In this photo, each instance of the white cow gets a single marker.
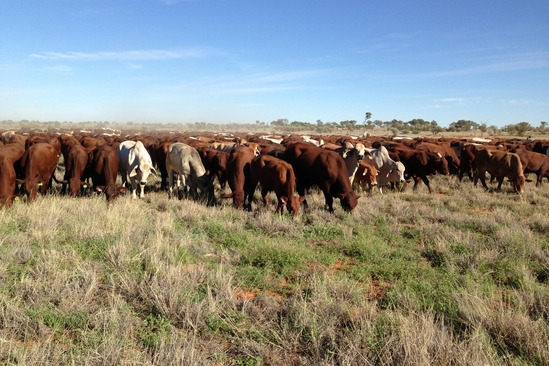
(185, 161)
(134, 164)
(389, 171)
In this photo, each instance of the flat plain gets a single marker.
(460, 277)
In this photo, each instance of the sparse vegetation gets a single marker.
(455, 277)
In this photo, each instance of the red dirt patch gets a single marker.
(377, 290)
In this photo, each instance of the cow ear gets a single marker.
(283, 199)
(153, 171)
(133, 173)
(100, 188)
(121, 190)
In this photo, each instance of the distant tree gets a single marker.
(378, 123)
(281, 122)
(367, 117)
(482, 128)
(522, 127)
(349, 124)
(542, 127)
(462, 126)
(419, 124)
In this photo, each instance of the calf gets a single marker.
(389, 170)
(215, 161)
(275, 175)
(365, 176)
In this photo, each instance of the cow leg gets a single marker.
(482, 176)
(301, 192)
(141, 189)
(265, 197)
(170, 184)
(426, 181)
(500, 182)
(329, 202)
(416, 182)
(134, 187)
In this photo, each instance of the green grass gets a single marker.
(456, 277)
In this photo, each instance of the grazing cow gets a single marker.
(446, 151)
(238, 176)
(134, 163)
(501, 165)
(215, 162)
(159, 151)
(67, 142)
(75, 169)
(275, 175)
(103, 170)
(7, 182)
(314, 166)
(9, 154)
(534, 162)
(389, 170)
(365, 176)
(92, 142)
(466, 161)
(38, 162)
(420, 164)
(185, 161)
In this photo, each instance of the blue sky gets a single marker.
(233, 61)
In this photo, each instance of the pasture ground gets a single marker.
(457, 277)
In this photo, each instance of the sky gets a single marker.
(238, 61)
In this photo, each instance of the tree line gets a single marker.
(283, 125)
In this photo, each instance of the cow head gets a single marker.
(111, 191)
(348, 200)
(519, 184)
(397, 172)
(292, 203)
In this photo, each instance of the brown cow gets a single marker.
(158, 152)
(38, 163)
(215, 161)
(103, 170)
(75, 169)
(445, 150)
(275, 175)
(9, 154)
(238, 175)
(534, 162)
(420, 164)
(315, 166)
(501, 165)
(365, 176)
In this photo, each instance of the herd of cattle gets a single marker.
(288, 165)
